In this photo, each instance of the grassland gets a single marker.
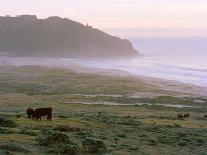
(83, 125)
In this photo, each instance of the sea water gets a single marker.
(180, 59)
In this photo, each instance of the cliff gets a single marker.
(58, 37)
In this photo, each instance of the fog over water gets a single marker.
(180, 59)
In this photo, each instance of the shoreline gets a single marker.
(168, 85)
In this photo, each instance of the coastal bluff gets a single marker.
(26, 35)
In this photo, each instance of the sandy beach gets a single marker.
(173, 87)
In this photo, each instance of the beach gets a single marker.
(174, 87)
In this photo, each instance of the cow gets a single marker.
(30, 112)
(39, 112)
(180, 116)
(186, 115)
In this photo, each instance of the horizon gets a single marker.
(130, 19)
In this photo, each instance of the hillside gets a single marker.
(27, 35)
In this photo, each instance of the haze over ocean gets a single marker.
(180, 59)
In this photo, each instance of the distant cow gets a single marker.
(186, 115)
(30, 112)
(180, 116)
(39, 112)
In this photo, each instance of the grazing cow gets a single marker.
(30, 112)
(39, 112)
(186, 116)
(180, 116)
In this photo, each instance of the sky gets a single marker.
(125, 18)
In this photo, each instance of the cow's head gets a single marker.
(30, 112)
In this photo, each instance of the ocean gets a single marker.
(179, 59)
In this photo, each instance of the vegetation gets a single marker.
(27, 131)
(80, 128)
(13, 148)
(5, 122)
(93, 145)
(57, 141)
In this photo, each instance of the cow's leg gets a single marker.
(50, 116)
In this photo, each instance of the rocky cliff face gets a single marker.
(58, 37)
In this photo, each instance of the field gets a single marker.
(94, 114)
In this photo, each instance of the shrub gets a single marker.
(28, 132)
(199, 142)
(130, 122)
(63, 116)
(64, 128)
(4, 131)
(178, 138)
(70, 149)
(152, 142)
(177, 126)
(123, 135)
(50, 137)
(133, 148)
(4, 152)
(112, 119)
(182, 143)
(93, 145)
(84, 134)
(59, 142)
(142, 135)
(13, 147)
(19, 115)
(5, 122)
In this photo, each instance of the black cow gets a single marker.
(39, 112)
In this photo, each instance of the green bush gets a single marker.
(58, 142)
(13, 147)
(4, 152)
(70, 149)
(84, 134)
(64, 128)
(133, 148)
(123, 135)
(28, 132)
(63, 116)
(19, 115)
(152, 142)
(4, 131)
(93, 145)
(129, 122)
(5, 122)
(50, 137)
(177, 126)
(178, 138)
(112, 119)
(199, 142)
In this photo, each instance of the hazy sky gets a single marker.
(122, 17)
